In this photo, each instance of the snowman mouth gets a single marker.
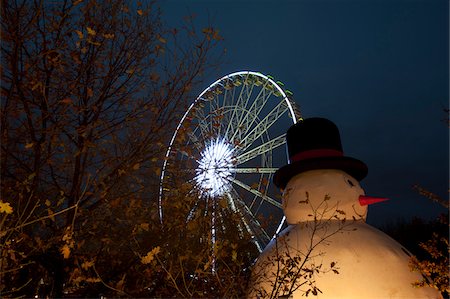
(365, 200)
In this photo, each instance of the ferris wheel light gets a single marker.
(215, 168)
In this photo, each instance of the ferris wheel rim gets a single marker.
(284, 98)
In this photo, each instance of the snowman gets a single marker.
(328, 249)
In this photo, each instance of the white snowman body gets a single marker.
(327, 235)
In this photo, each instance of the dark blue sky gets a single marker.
(378, 69)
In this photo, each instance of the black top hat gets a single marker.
(315, 143)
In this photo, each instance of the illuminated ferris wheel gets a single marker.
(228, 145)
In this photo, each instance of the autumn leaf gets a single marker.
(93, 279)
(47, 202)
(93, 42)
(66, 101)
(5, 207)
(91, 31)
(234, 255)
(65, 251)
(29, 145)
(120, 284)
(51, 214)
(145, 226)
(108, 35)
(150, 255)
(87, 265)
(216, 35)
(162, 40)
(139, 11)
(79, 33)
(136, 166)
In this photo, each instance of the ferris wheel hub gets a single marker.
(215, 168)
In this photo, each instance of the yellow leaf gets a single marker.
(93, 279)
(87, 265)
(65, 251)
(119, 285)
(80, 34)
(47, 202)
(234, 255)
(5, 207)
(139, 11)
(29, 145)
(150, 255)
(162, 40)
(91, 31)
(51, 214)
(109, 35)
(93, 42)
(68, 235)
(136, 166)
(145, 226)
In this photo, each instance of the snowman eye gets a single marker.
(350, 183)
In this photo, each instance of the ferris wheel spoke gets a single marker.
(249, 116)
(264, 125)
(242, 102)
(192, 211)
(255, 170)
(263, 148)
(257, 193)
(251, 224)
(229, 93)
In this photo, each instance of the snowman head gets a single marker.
(319, 172)
(323, 194)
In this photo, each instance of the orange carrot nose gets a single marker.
(365, 200)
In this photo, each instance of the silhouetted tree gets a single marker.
(90, 90)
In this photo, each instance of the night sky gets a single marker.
(378, 69)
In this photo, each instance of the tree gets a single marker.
(89, 91)
(434, 266)
(433, 261)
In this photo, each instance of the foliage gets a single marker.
(434, 265)
(435, 268)
(428, 241)
(89, 91)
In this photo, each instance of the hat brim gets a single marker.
(352, 166)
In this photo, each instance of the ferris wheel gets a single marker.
(228, 144)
